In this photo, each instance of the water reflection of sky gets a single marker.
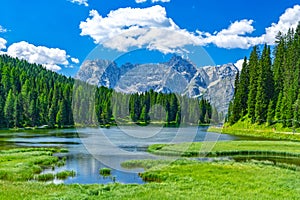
(86, 165)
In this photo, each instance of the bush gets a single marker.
(65, 174)
(105, 171)
(45, 177)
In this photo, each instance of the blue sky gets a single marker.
(59, 34)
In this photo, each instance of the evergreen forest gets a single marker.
(31, 96)
(267, 91)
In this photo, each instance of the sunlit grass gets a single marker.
(25, 164)
(245, 128)
(192, 180)
(226, 148)
(179, 179)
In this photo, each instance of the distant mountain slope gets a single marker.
(215, 83)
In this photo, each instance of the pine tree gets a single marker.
(244, 87)
(214, 115)
(264, 86)
(253, 74)
(240, 106)
(51, 117)
(144, 115)
(278, 67)
(271, 113)
(18, 111)
(296, 117)
(9, 109)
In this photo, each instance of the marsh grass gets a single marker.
(229, 148)
(105, 171)
(181, 179)
(246, 128)
(65, 174)
(44, 177)
(24, 164)
(185, 180)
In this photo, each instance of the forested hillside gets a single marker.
(32, 96)
(268, 88)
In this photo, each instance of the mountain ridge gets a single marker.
(178, 75)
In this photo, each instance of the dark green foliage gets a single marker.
(32, 96)
(253, 64)
(65, 174)
(105, 171)
(273, 89)
(264, 86)
(240, 101)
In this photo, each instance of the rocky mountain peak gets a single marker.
(178, 75)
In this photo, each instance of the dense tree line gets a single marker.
(141, 108)
(268, 90)
(32, 96)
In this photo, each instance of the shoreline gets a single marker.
(269, 133)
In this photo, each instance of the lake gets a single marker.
(91, 149)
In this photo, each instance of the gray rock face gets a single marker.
(215, 83)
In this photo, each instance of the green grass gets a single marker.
(23, 164)
(44, 177)
(65, 174)
(245, 128)
(177, 181)
(180, 179)
(226, 148)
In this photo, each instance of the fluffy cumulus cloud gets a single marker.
(50, 58)
(137, 27)
(2, 44)
(234, 36)
(150, 27)
(80, 2)
(288, 20)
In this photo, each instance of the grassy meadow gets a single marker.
(20, 176)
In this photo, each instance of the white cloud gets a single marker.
(2, 44)
(2, 29)
(153, 1)
(289, 19)
(75, 60)
(239, 64)
(52, 67)
(50, 58)
(80, 2)
(140, 1)
(164, 1)
(150, 27)
(234, 36)
(239, 28)
(129, 27)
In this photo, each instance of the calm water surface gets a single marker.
(91, 149)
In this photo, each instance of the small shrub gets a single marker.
(105, 171)
(45, 177)
(65, 174)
